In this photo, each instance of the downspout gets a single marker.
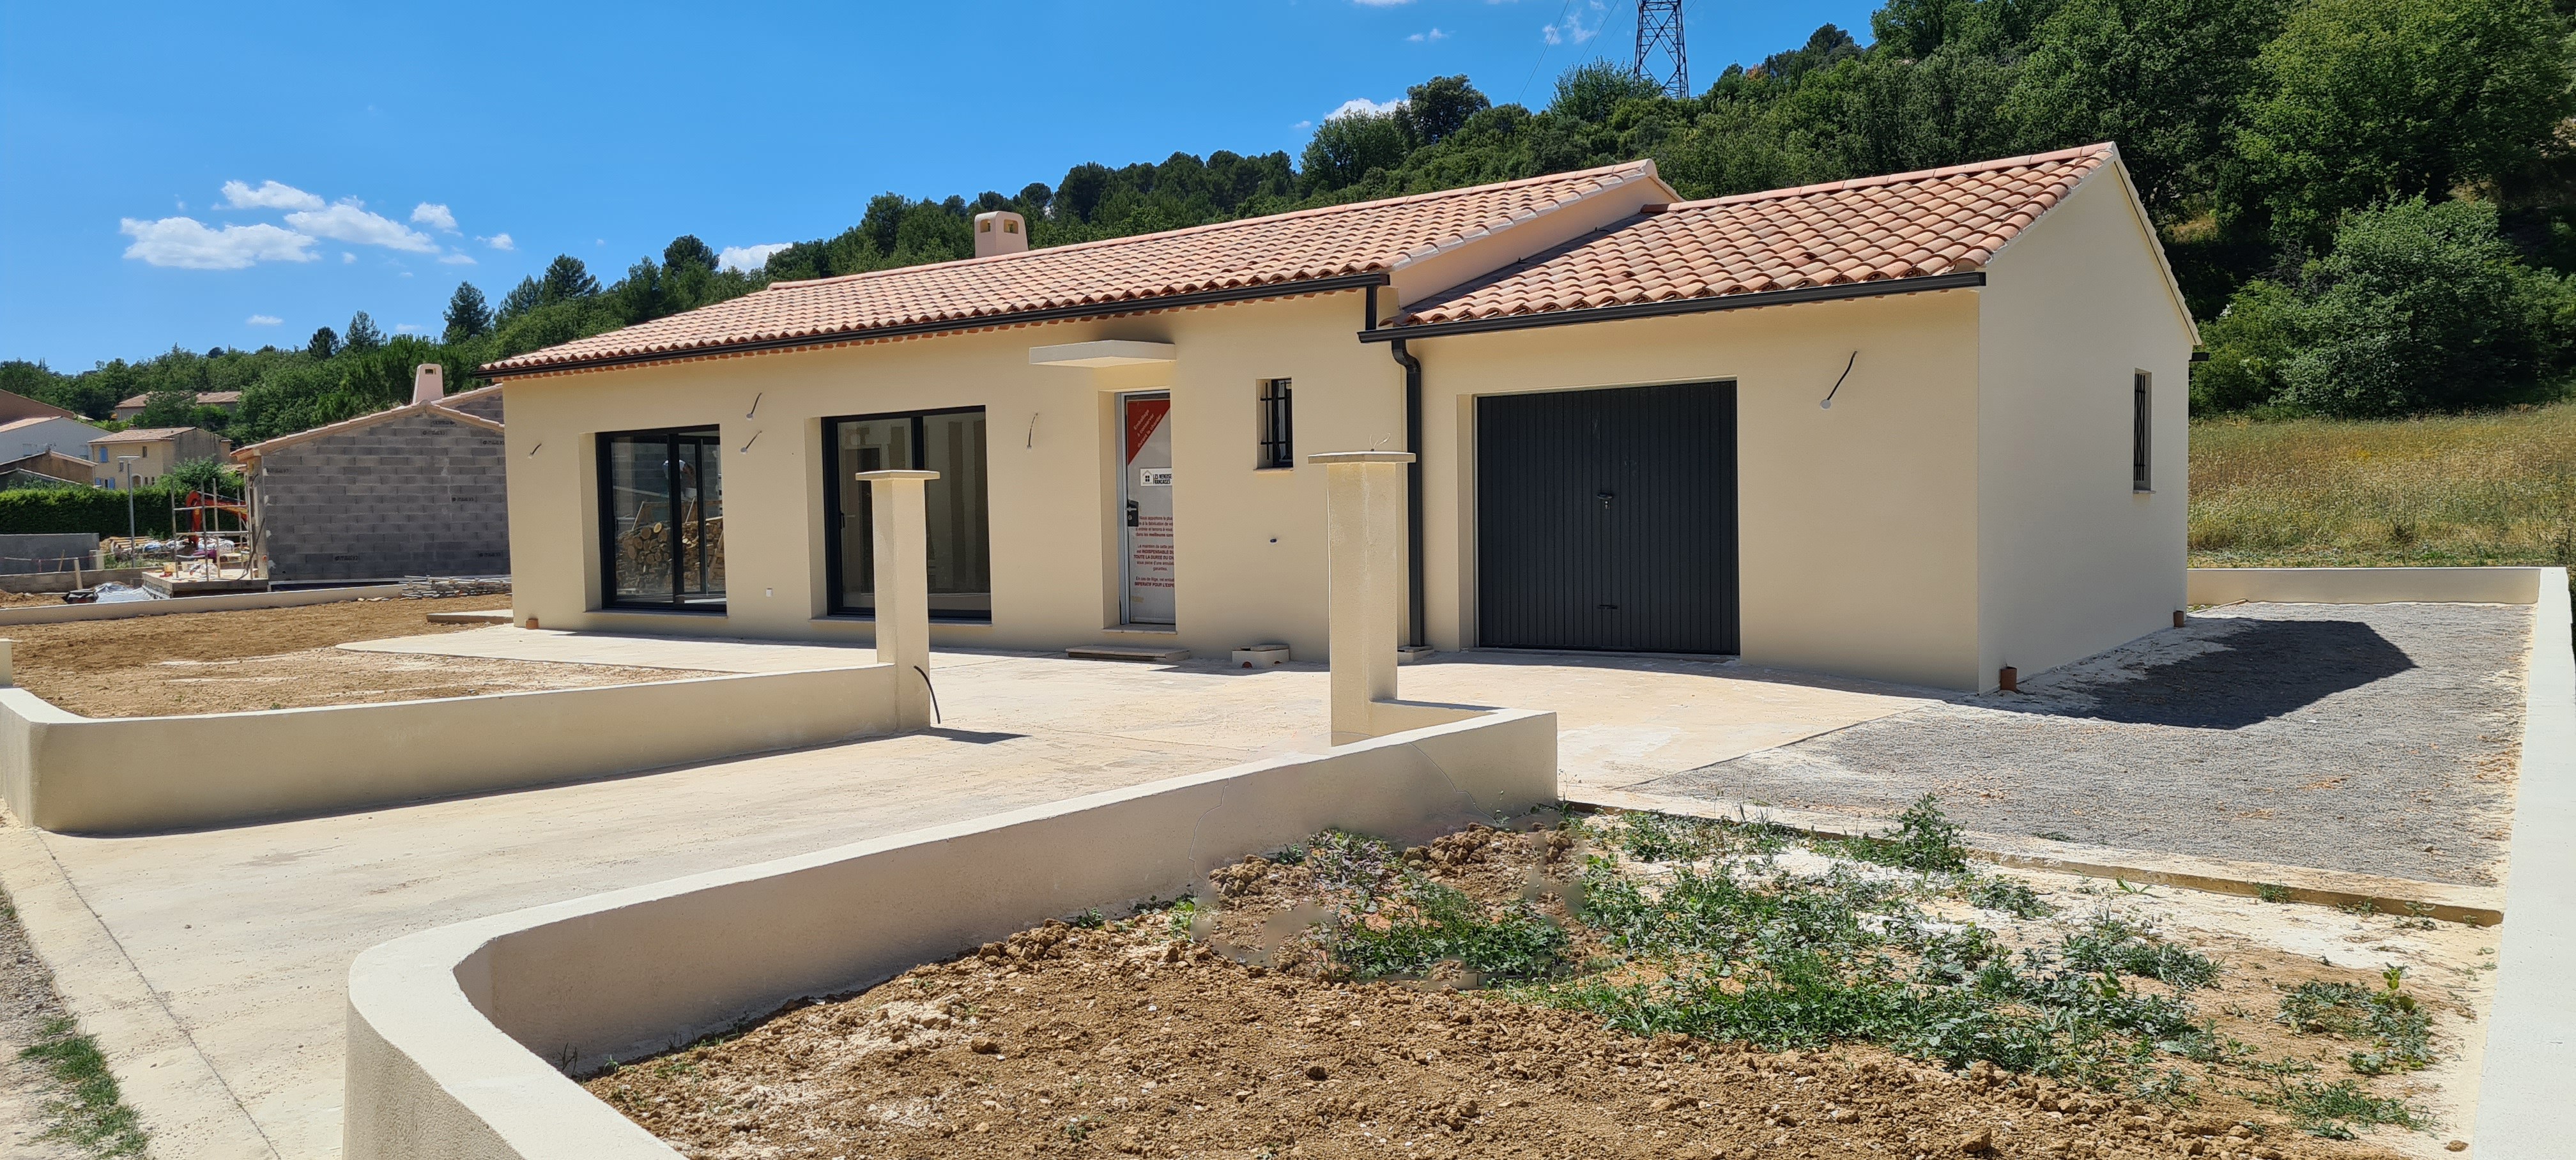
(1413, 578)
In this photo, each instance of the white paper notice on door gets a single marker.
(1148, 509)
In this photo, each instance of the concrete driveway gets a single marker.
(212, 964)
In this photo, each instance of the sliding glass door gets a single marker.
(960, 549)
(661, 498)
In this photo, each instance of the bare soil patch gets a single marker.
(1269, 1018)
(278, 658)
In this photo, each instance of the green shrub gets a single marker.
(85, 509)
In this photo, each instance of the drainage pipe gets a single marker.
(1413, 579)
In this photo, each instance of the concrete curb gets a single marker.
(184, 1105)
(2475, 905)
(2531, 1034)
(233, 602)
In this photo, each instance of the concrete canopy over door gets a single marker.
(1607, 519)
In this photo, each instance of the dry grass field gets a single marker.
(2496, 488)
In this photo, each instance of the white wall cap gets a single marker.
(898, 473)
(1112, 352)
(1329, 458)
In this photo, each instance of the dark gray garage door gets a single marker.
(1606, 519)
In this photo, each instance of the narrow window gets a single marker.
(661, 520)
(2142, 412)
(1278, 448)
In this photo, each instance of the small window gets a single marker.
(2141, 412)
(1278, 447)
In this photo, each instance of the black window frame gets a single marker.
(833, 580)
(709, 434)
(1276, 447)
(2141, 431)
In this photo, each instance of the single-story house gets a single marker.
(1918, 427)
(226, 400)
(154, 451)
(414, 490)
(35, 434)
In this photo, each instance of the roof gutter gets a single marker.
(1678, 306)
(1414, 582)
(1021, 318)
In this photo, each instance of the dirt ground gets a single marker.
(1156, 1037)
(281, 658)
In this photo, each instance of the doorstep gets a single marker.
(1132, 653)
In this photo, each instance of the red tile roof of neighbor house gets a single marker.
(1283, 249)
(143, 435)
(1873, 229)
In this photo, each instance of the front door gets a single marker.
(1145, 502)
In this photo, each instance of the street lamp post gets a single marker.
(126, 463)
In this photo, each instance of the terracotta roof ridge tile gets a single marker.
(2104, 149)
(1645, 168)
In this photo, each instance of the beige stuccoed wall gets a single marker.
(1858, 525)
(64, 772)
(1055, 575)
(456, 1034)
(2074, 561)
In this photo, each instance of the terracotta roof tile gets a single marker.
(1906, 225)
(1306, 245)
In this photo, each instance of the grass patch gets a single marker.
(93, 1116)
(1423, 926)
(2485, 489)
(2331, 1110)
(2401, 1035)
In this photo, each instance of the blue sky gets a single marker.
(236, 175)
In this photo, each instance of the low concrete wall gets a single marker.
(455, 1034)
(65, 772)
(2366, 585)
(66, 581)
(2531, 1033)
(233, 602)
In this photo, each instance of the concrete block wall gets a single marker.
(418, 495)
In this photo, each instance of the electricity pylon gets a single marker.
(1660, 56)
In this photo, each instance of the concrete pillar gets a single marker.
(1364, 533)
(903, 587)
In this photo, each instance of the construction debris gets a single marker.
(432, 587)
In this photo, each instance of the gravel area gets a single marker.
(2379, 739)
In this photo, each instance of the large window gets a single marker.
(661, 520)
(960, 542)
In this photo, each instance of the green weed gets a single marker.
(1924, 839)
(94, 1117)
(2010, 895)
(1427, 924)
(2401, 1034)
(2271, 892)
(2331, 1109)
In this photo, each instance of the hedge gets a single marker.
(87, 509)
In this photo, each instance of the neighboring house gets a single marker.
(1918, 427)
(45, 469)
(36, 433)
(417, 490)
(14, 406)
(229, 401)
(154, 450)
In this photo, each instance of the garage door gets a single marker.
(1606, 519)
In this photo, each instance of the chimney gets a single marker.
(428, 384)
(1000, 232)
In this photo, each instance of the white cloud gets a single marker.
(409, 328)
(1363, 107)
(500, 242)
(1303, 125)
(433, 216)
(1435, 35)
(456, 259)
(269, 195)
(748, 259)
(347, 258)
(262, 320)
(1571, 29)
(187, 243)
(347, 222)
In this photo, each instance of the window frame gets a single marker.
(834, 585)
(607, 541)
(1275, 442)
(2142, 414)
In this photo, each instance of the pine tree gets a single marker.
(324, 343)
(567, 279)
(363, 335)
(467, 316)
(522, 298)
(687, 250)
